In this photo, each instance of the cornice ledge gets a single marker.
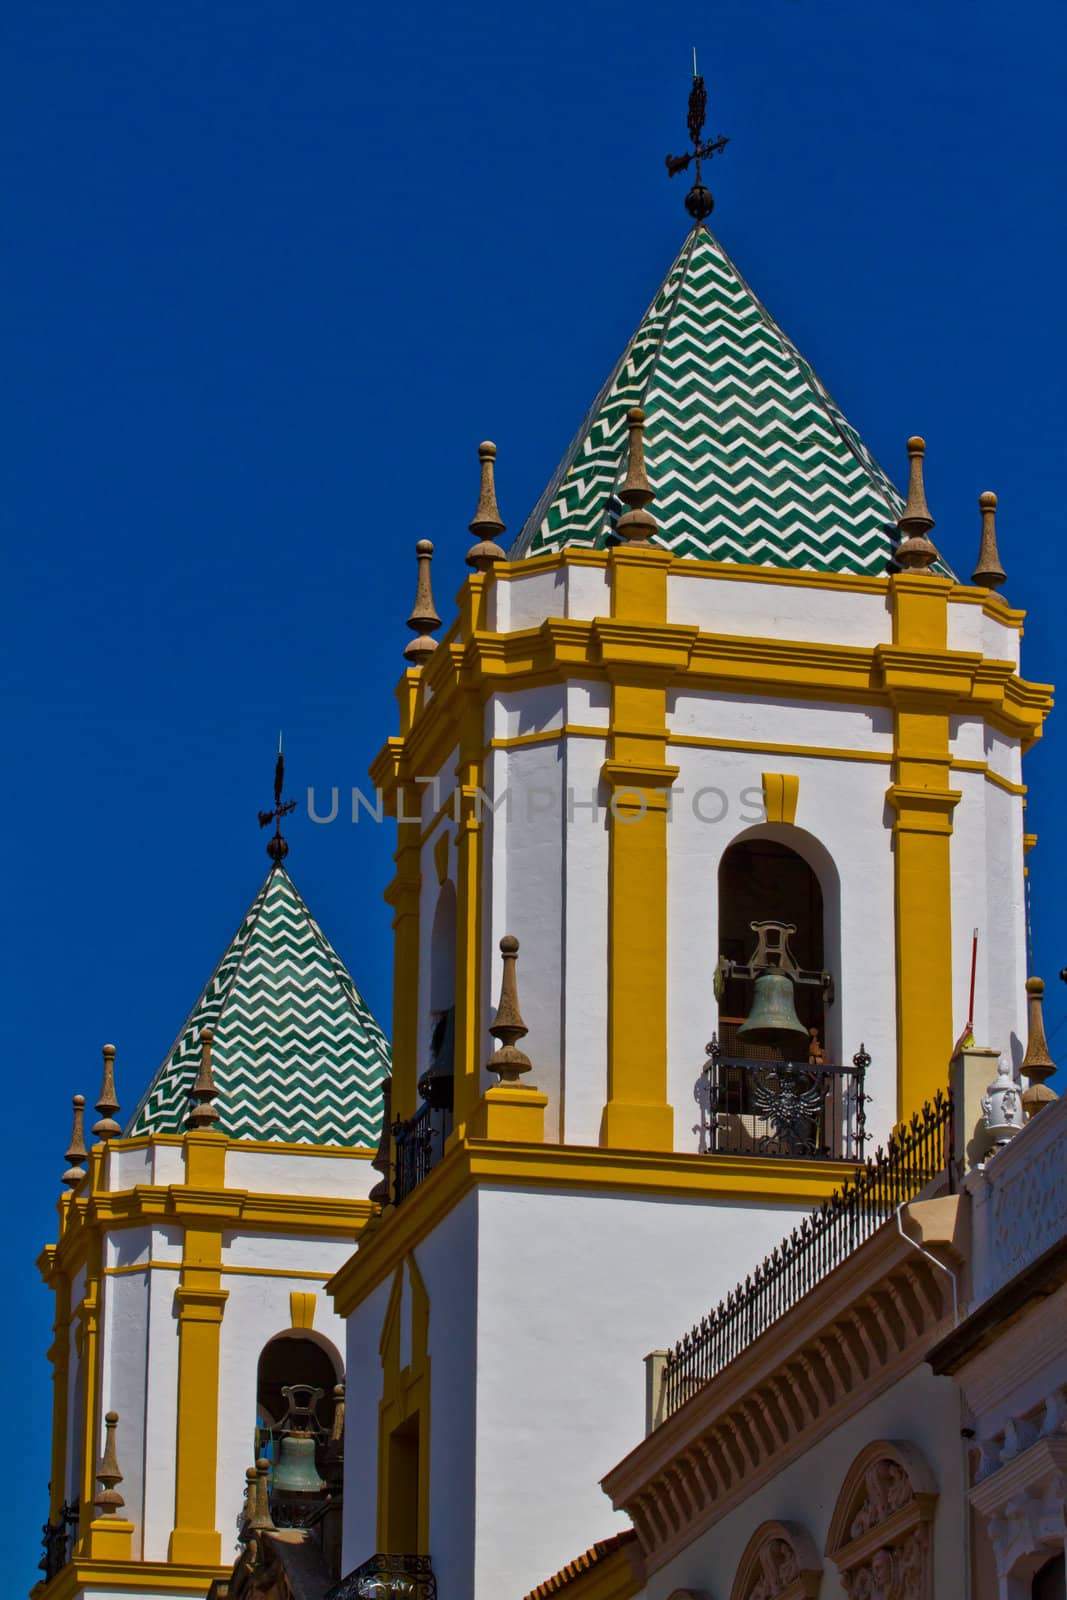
(782, 1345)
(664, 646)
(945, 674)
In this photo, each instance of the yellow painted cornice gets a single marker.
(562, 648)
(470, 1162)
(147, 1204)
(135, 1577)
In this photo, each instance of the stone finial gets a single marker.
(251, 1482)
(204, 1115)
(261, 1517)
(75, 1154)
(916, 553)
(107, 1105)
(487, 524)
(508, 1062)
(380, 1193)
(1037, 1064)
(636, 525)
(109, 1502)
(423, 619)
(337, 1427)
(989, 572)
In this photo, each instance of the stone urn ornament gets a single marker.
(1002, 1105)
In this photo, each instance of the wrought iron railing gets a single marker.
(59, 1539)
(782, 1108)
(918, 1152)
(418, 1145)
(388, 1577)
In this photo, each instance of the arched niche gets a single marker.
(780, 872)
(442, 986)
(780, 1562)
(296, 1355)
(881, 1532)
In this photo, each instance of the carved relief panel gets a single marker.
(881, 1535)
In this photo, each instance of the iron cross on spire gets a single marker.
(698, 202)
(277, 848)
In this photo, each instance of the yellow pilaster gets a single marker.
(403, 895)
(469, 848)
(59, 1355)
(638, 778)
(89, 1356)
(199, 1302)
(923, 693)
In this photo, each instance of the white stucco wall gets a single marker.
(601, 1280)
(920, 1409)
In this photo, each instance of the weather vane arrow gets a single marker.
(698, 202)
(277, 848)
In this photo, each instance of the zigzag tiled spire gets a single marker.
(750, 458)
(297, 1055)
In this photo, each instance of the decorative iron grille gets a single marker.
(916, 1154)
(418, 1145)
(386, 1577)
(758, 1107)
(59, 1539)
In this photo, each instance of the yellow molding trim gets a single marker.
(566, 730)
(670, 1175)
(685, 566)
(139, 1577)
(245, 1272)
(273, 1147)
(765, 747)
(987, 772)
(561, 648)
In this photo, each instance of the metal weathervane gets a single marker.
(698, 202)
(277, 848)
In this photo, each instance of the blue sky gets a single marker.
(270, 274)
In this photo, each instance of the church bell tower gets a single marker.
(699, 796)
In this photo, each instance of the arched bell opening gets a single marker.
(774, 1083)
(762, 881)
(300, 1422)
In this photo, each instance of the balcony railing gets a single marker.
(418, 1145)
(388, 1577)
(59, 1539)
(764, 1107)
(917, 1153)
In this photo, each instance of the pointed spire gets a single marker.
(204, 1090)
(75, 1154)
(423, 619)
(989, 572)
(508, 1025)
(916, 553)
(487, 524)
(107, 1105)
(1037, 1064)
(636, 525)
(109, 1502)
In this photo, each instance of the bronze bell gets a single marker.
(295, 1472)
(773, 1019)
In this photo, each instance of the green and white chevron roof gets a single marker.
(750, 459)
(297, 1055)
